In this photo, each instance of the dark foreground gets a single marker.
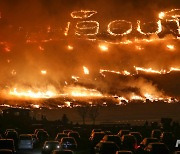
(116, 137)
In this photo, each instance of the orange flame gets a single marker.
(86, 70)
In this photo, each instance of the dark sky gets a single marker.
(21, 10)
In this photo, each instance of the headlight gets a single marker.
(58, 146)
(46, 146)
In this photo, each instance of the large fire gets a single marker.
(31, 94)
(82, 92)
(68, 58)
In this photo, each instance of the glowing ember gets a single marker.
(103, 47)
(86, 70)
(8, 60)
(36, 106)
(83, 14)
(68, 104)
(136, 97)
(13, 72)
(138, 47)
(126, 72)
(43, 72)
(75, 78)
(161, 15)
(67, 29)
(170, 47)
(41, 48)
(70, 47)
(7, 49)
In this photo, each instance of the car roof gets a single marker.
(106, 142)
(51, 142)
(25, 135)
(157, 143)
(128, 135)
(68, 138)
(5, 150)
(150, 138)
(6, 140)
(98, 133)
(134, 133)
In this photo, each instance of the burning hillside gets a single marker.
(80, 53)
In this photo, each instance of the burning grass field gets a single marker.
(89, 56)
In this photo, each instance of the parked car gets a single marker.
(156, 133)
(59, 136)
(168, 139)
(112, 138)
(156, 148)
(68, 143)
(123, 132)
(75, 135)
(50, 146)
(107, 132)
(42, 136)
(96, 137)
(35, 139)
(67, 131)
(6, 151)
(106, 147)
(9, 130)
(38, 130)
(96, 130)
(129, 142)
(138, 136)
(144, 143)
(7, 144)
(12, 135)
(25, 141)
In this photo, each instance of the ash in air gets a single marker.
(79, 50)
